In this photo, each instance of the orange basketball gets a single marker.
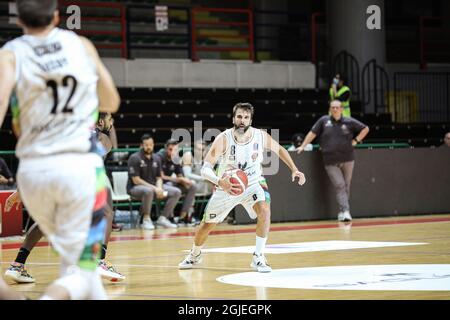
(238, 176)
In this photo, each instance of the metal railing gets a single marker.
(421, 97)
(346, 65)
(375, 86)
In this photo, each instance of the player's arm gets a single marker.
(218, 148)
(308, 139)
(105, 141)
(7, 80)
(360, 137)
(108, 95)
(187, 160)
(113, 137)
(284, 155)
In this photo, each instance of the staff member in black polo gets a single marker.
(144, 182)
(337, 137)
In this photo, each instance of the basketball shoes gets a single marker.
(190, 261)
(259, 263)
(107, 271)
(18, 273)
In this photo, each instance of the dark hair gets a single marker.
(244, 106)
(298, 136)
(171, 142)
(36, 13)
(146, 136)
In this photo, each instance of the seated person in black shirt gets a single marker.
(172, 175)
(145, 182)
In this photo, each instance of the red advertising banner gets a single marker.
(10, 222)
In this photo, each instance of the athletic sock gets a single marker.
(22, 255)
(260, 245)
(196, 250)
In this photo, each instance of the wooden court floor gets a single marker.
(149, 259)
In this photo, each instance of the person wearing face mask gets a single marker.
(340, 91)
(241, 147)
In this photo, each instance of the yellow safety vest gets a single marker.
(345, 104)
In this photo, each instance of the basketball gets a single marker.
(238, 176)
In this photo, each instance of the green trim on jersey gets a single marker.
(15, 107)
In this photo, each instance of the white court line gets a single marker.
(139, 266)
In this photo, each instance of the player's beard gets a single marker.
(241, 130)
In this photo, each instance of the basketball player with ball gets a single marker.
(238, 178)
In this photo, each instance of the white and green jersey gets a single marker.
(246, 156)
(56, 91)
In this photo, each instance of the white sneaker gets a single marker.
(190, 261)
(18, 273)
(107, 271)
(165, 223)
(344, 216)
(259, 263)
(347, 216)
(147, 224)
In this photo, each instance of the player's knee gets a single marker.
(147, 192)
(177, 193)
(263, 213)
(207, 226)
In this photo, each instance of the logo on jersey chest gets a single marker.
(242, 166)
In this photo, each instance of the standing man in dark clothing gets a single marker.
(173, 177)
(337, 137)
(6, 177)
(145, 182)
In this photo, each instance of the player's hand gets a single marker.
(160, 193)
(300, 149)
(3, 180)
(185, 182)
(228, 187)
(354, 143)
(300, 176)
(13, 199)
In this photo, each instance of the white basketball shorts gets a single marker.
(61, 193)
(221, 203)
